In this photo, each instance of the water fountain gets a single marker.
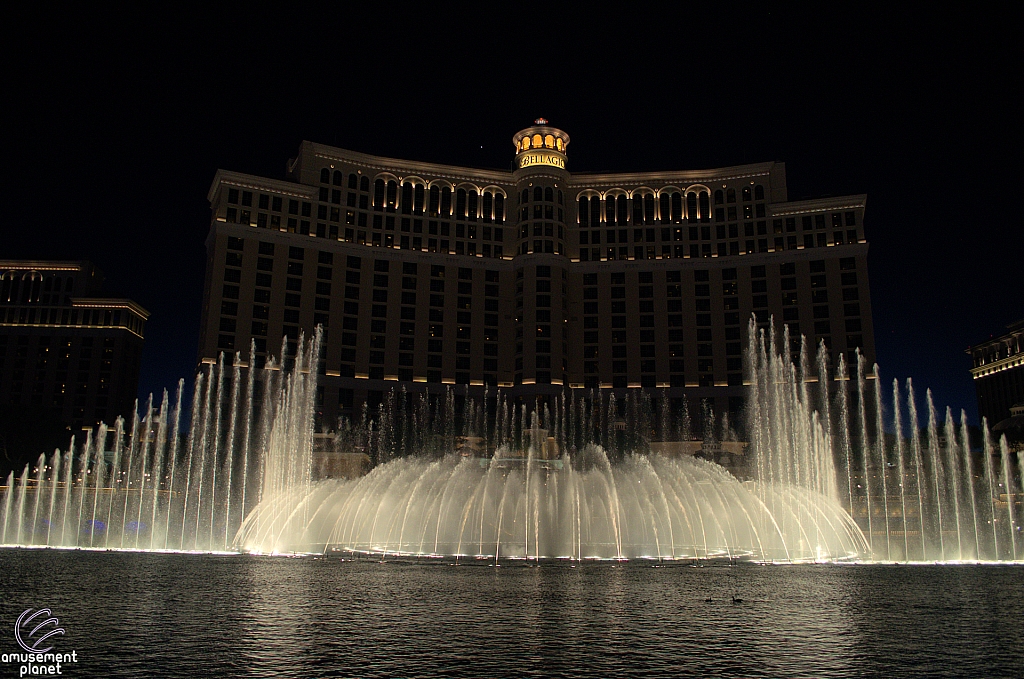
(577, 480)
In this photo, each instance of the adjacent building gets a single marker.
(65, 348)
(532, 279)
(998, 373)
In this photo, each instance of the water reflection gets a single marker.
(183, 616)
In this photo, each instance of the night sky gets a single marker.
(117, 122)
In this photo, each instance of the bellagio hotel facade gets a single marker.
(529, 280)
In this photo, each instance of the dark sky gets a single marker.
(117, 122)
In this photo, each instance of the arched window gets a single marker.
(595, 211)
(417, 206)
(325, 176)
(525, 143)
(526, 196)
(758, 192)
(538, 193)
(353, 181)
(730, 195)
(378, 193)
(460, 204)
(364, 183)
(446, 202)
(559, 145)
(677, 207)
(623, 210)
(663, 207)
(584, 211)
(746, 193)
(338, 178)
(704, 206)
(537, 141)
(488, 206)
(719, 197)
(435, 201)
(34, 286)
(609, 210)
(7, 290)
(549, 141)
(473, 201)
(649, 208)
(691, 206)
(549, 194)
(406, 198)
(560, 197)
(499, 209)
(392, 198)
(638, 209)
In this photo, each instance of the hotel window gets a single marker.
(406, 201)
(692, 213)
(391, 200)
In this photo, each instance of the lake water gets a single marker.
(172, 615)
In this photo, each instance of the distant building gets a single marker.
(63, 347)
(998, 373)
(530, 279)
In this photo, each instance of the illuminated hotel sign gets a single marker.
(541, 158)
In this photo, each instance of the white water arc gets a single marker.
(576, 479)
(521, 504)
(642, 507)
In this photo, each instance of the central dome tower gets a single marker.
(540, 146)
(541, 264)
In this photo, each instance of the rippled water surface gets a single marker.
(169, 615)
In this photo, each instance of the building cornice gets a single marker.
(39, 265)
(406, 167)
(1008, 363)
(710, 176)
(799, 207)
(249, 181)
(109, 303)
(576, 180)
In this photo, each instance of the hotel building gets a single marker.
(998, 372)
(63, 346)
(531, 279)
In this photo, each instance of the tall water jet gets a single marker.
(921, 484)
(901, 466)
